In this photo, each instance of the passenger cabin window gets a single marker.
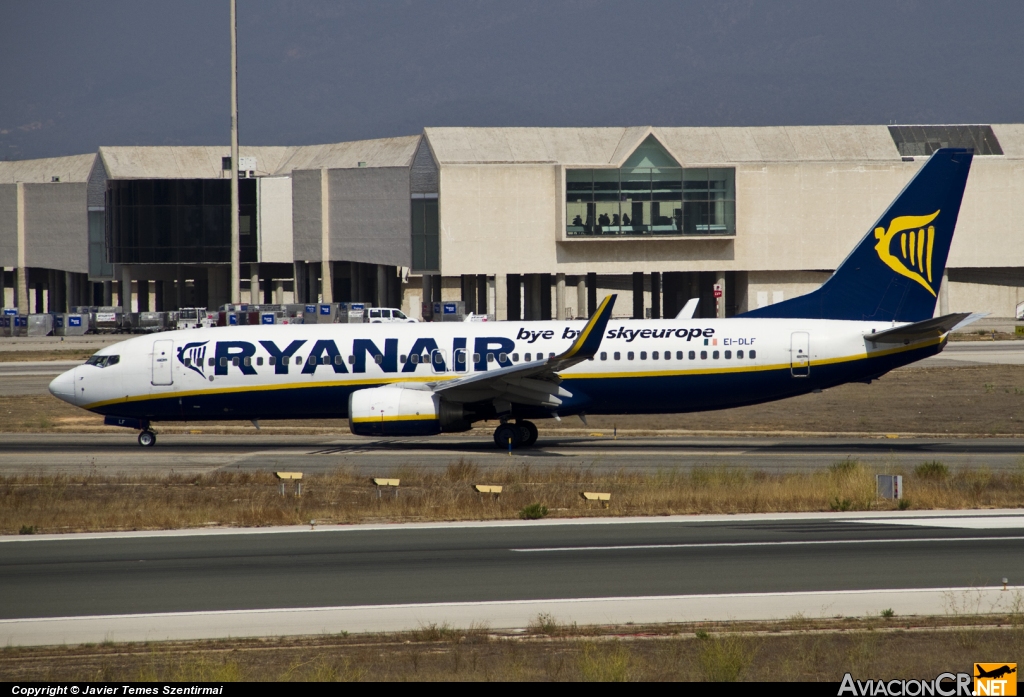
(211, 362)
(604, 355)
(528, 357)
(714, 354)
(753, 353)
(617, 355)
(515, 357)
(693, 355)
(643, 355)
(272, 360)
(679, 355)
(703, 355)
(654, 355)
(739, 354)
(414, 358)
(728, 354)
(629, 356)
(259, 360)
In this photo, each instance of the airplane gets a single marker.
(874, 314)
(995, 673)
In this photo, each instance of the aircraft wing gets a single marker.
(536, 382)
(927, 329)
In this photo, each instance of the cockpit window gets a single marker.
(103, 361)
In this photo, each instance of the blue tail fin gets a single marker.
(893, 275)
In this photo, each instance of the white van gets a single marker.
(382, 315)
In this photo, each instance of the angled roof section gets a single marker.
(650, 154)
(1011, 138)
(73, 168)
(205, 161)
(632, 138)
(574, 147)
(694, 146)
(611, 147)
(184, 162)
(381, 152)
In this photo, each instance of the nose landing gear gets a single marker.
(147, 439)
(518, 434)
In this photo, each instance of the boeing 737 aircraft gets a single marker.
(875, 313)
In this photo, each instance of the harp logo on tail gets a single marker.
(914, 239)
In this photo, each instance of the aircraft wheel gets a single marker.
(147, 439)
(505, 433)
(527, 433)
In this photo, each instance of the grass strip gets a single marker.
(75, 503)
(796, 649)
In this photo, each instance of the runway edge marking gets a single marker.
(638, 520)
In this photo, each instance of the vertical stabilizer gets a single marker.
(893, 275)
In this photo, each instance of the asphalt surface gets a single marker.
(44, 578)
(118, 452)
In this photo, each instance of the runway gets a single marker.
(117, 452)
(610, 570)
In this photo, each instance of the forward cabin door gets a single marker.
(800, 355)
(162, 352)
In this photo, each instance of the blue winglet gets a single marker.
(589, 340)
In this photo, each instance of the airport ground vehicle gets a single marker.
(387, 315)
(874, 314)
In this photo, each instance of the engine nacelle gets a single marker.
(399, 411)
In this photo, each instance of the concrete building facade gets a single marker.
(517, 222)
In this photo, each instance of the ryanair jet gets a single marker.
(874, 314)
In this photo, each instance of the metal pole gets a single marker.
(236, 271)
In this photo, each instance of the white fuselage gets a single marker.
(652, 366)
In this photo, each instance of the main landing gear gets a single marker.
(521, 434)
(147, 439)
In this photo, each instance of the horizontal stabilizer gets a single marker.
(918, 331)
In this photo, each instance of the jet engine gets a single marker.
(400, 411)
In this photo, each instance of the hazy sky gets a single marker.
(77, 75)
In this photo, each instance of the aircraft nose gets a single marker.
(63, 386)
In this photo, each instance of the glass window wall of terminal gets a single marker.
(651, 194)
(650, 201)
(178, 221)
(425, 243)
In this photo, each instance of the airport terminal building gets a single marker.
(529, 223)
